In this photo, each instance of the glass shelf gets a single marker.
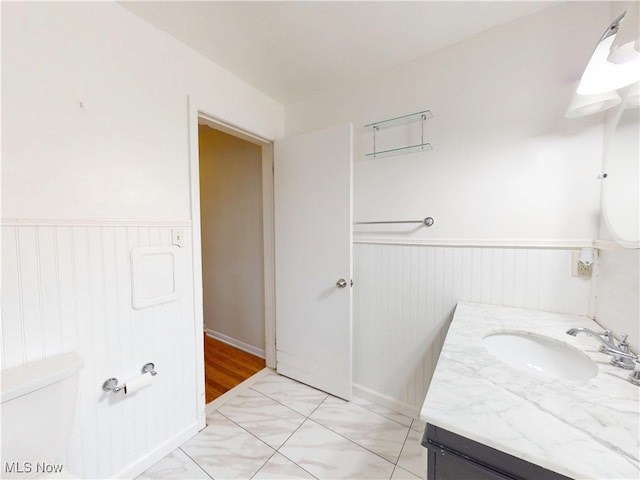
(418, 117)
(400, 150)
(403, 120)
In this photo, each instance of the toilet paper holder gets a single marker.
(111, 384)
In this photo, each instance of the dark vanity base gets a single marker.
(453, 457)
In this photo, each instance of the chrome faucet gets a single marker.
(634, 377)
(605, 338)
(622, 361)
(622, 357)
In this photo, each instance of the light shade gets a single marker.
(626, 46)
(625, 53)
(601, 75)
(582, 105)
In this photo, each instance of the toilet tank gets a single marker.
(38, 407)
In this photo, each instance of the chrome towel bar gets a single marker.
(427, 222)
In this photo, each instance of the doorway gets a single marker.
(202, 113)
(233, 280)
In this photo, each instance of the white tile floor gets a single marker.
(278, 428)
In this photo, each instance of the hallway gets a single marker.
(226, 366)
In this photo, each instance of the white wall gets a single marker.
(618, 293)
(618, 274)
(232, 250)
(95, 161)
(124, 151)
(507, 170)
(506, 163)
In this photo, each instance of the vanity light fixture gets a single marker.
(626, 46)
(597, 89)
(601, 75)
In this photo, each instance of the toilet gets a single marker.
(38, 408)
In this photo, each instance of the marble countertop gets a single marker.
(581, 429)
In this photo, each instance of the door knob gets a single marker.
(341, 283)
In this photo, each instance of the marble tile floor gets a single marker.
(277, 428)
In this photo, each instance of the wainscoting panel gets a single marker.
(404, 298)
(68, 288)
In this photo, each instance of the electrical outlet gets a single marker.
(578, 269)
(584, 270)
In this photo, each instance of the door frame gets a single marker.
(212, 116)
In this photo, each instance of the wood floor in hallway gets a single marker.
(226, 366)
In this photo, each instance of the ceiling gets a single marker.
(293, 49)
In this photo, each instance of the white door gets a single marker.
(313, 247)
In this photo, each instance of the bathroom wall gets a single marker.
(513, 187)
(405, 296)
(617, 305)
(505, 163)
(66, 288)
(107, 94)
(232, 250)
(618, 288)
(95, 152)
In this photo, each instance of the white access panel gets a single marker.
(153, 271)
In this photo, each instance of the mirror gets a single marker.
(621, 185)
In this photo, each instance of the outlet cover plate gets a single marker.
(577, 268)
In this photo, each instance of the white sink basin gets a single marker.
(539, 355)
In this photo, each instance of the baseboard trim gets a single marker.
(143, 464)
(258, 352)
(386, 401)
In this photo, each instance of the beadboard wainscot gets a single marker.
(67, 287)
(405, 292)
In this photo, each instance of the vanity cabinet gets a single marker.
(452, 457)
(482, 424)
